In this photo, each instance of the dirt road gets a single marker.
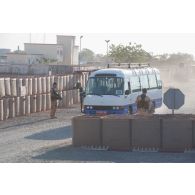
(39, 139)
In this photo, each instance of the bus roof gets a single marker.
(125, 72)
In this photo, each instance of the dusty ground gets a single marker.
(39, 139)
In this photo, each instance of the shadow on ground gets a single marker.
(71, 154)
(53, 134)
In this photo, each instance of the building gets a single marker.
(63, 52)
(3, 56)
(70, 51)
(23, 58)
(51, 52)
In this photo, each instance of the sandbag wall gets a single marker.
(164, 133)
(14, 103)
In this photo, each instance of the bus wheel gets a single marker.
(130, 110)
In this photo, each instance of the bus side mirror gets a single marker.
(127, 92)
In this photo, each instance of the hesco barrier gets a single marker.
(116, 133)
(146, 132)
(176, 135)
(165, 133)
(86, 131)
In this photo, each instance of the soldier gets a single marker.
(81, 92)
(54, 97)
(143, 102)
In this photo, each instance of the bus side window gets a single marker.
(152, 81)
(159, 82)
(144, 81)
(135, 84)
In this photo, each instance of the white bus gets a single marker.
(114, 91)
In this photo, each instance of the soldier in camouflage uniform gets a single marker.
(54, 97)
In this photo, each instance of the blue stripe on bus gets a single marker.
(158, 103)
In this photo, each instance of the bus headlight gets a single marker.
(87, 107)
(117, 108)
(91, 107)
(114, 108)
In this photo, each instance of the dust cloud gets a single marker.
(179, 76)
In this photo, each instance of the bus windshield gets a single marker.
(105, 86)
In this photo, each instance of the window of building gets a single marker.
(152, 81)
(135, 84)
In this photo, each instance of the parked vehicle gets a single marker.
(114, 90)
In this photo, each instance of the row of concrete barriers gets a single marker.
(165, 133)
(20, 106)
(39, 85)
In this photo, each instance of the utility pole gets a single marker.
(80, 52)
(107, 42)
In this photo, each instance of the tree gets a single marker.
(130, 53)
(86, 55)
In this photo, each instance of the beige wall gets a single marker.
(49, 51)
(13, 58)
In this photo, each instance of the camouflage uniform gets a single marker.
(54, 97)
(143, 103)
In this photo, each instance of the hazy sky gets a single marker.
(156, 43)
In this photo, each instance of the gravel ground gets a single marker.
(36, 138)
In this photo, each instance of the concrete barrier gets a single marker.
(17, 106)
(12, 106)
(13, 87)
(27, 105)
(44, 104)
(39, 85)
(26, 85)
(71, 97)
(43, 82)
(86, 131)
(39, 103)
(61, 84)
(64, 97)
(1, 110)
(48, 84)
(2, 87)
(67, 82)
(116, 132)
(34, 86)
(60, 104)
(51, 80)
(176, 134)
(48, 100)
(29, 86)
(33, 101)
(22, 106)
(7, 87)
(6, 108)
(18, 85)
(146, 133)
(64, 83)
